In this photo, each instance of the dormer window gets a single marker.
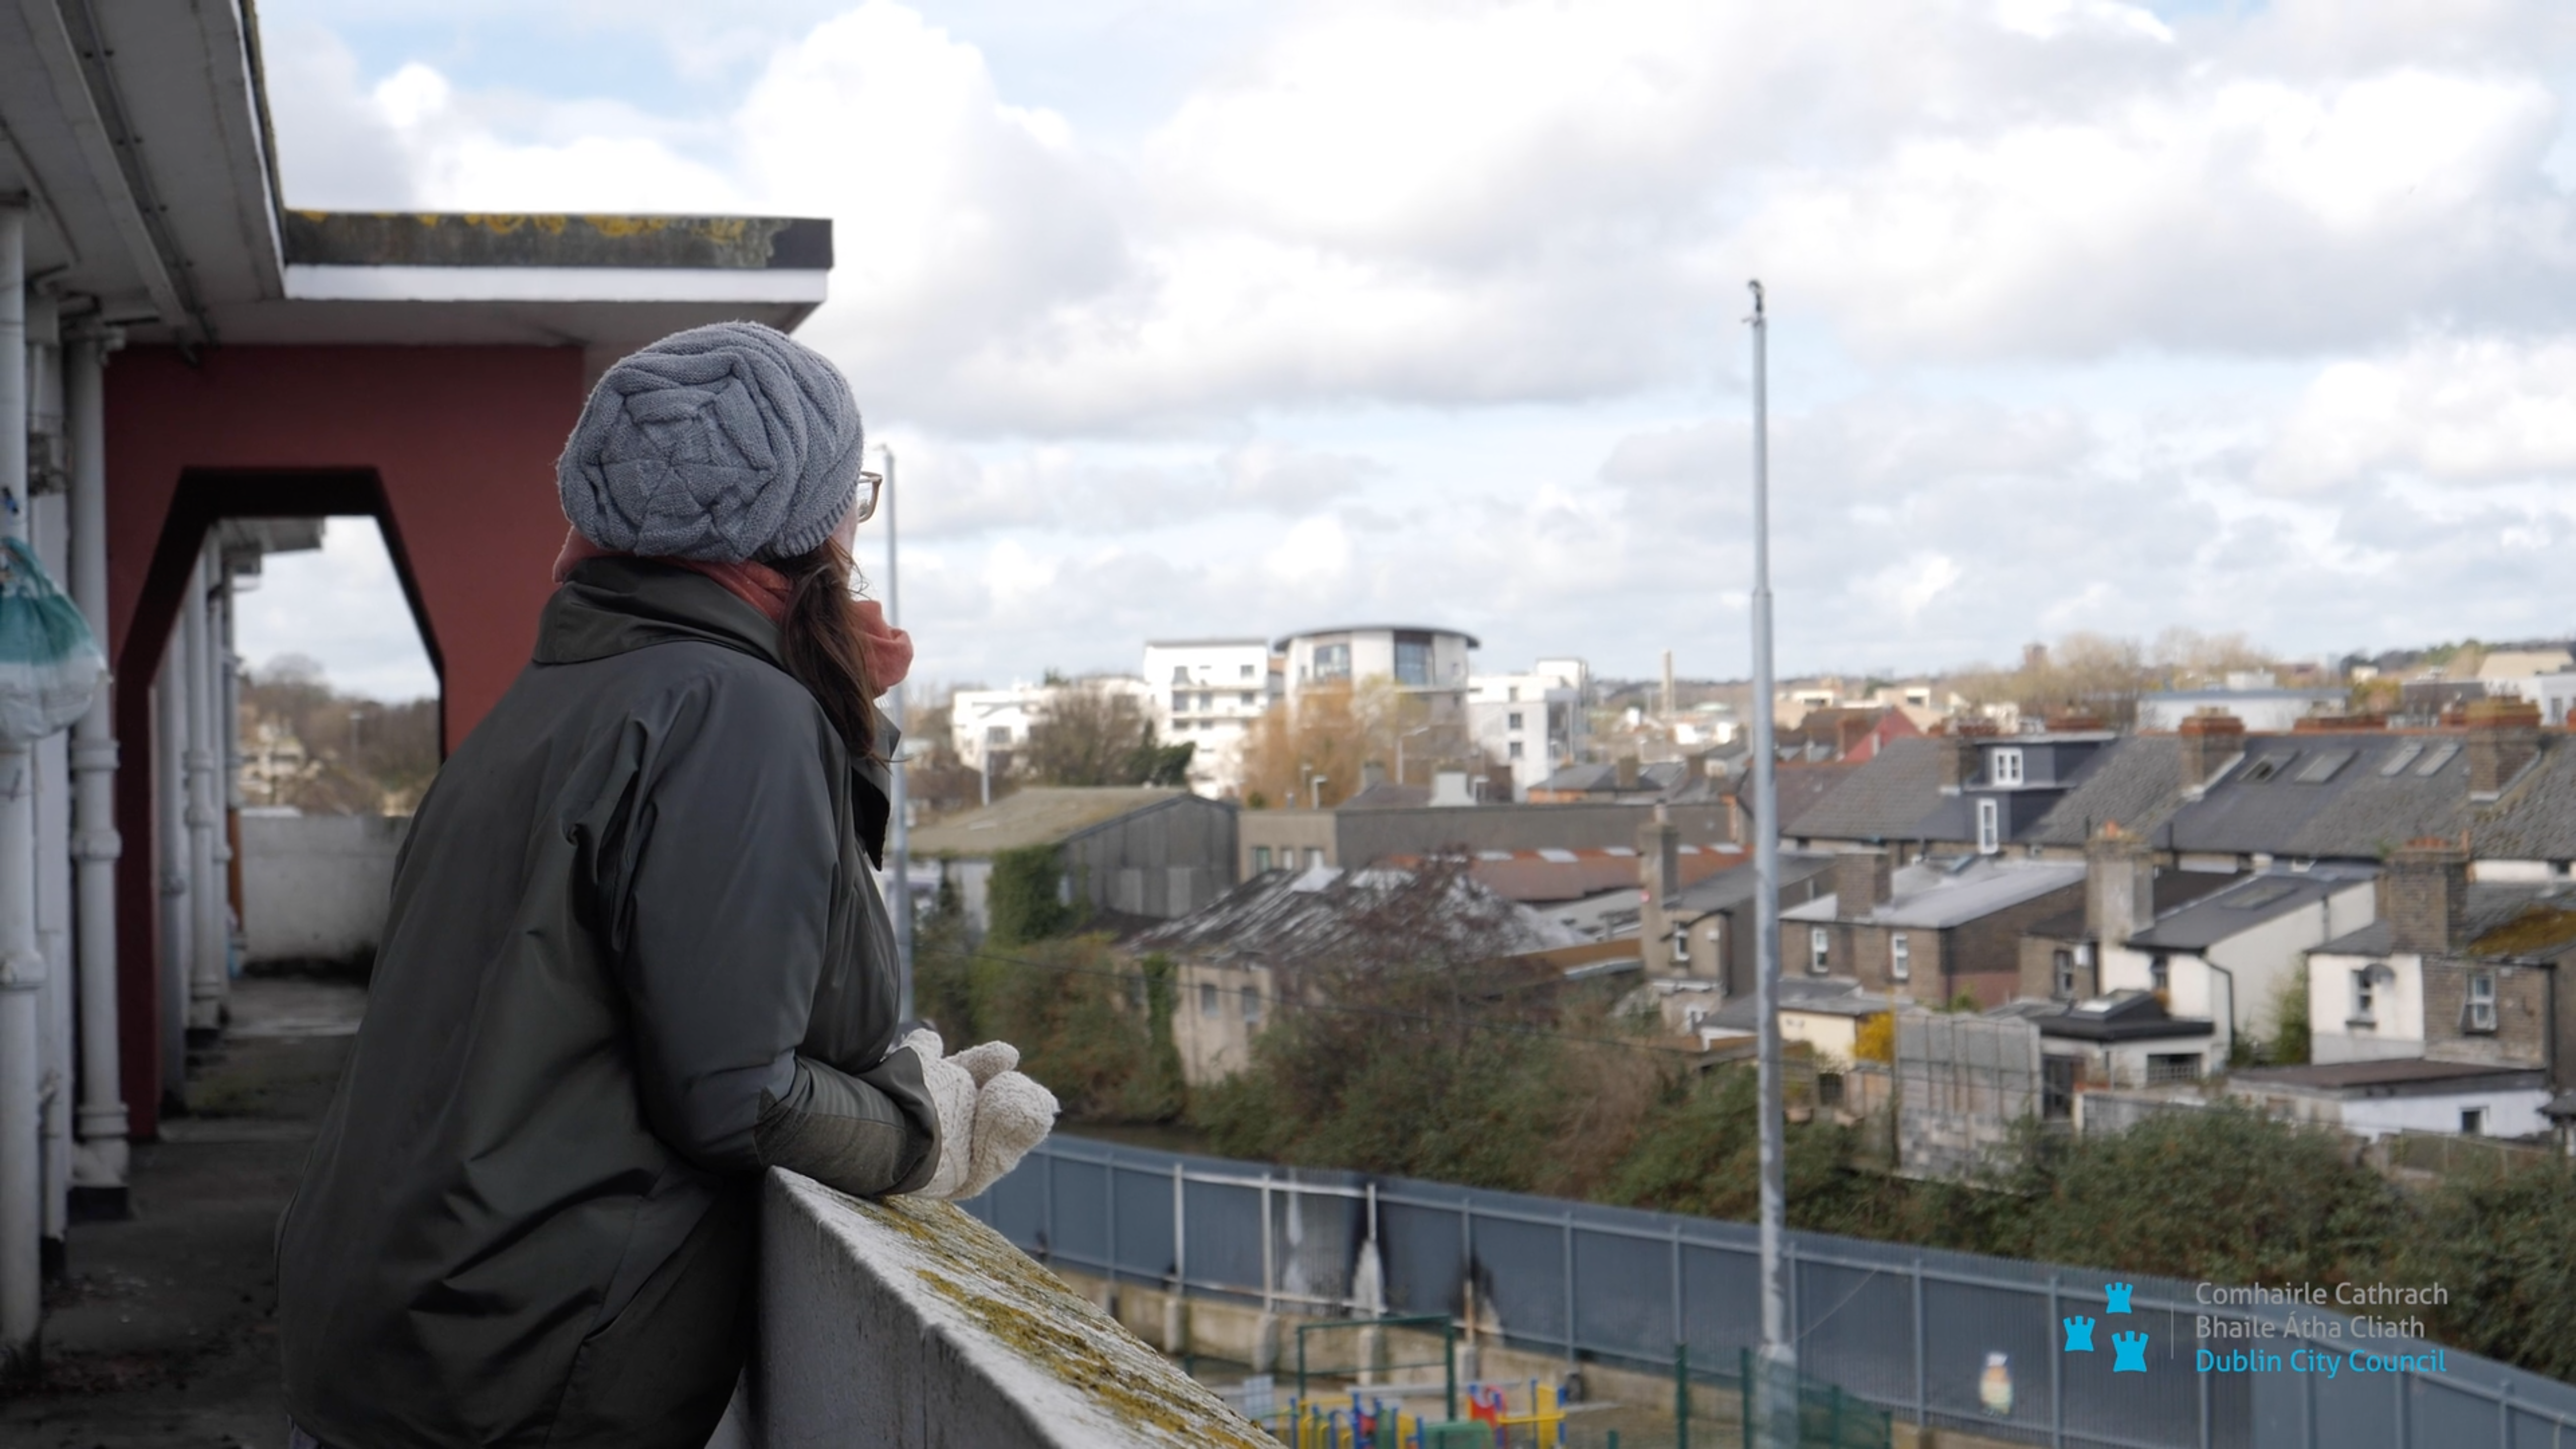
(2003, 766)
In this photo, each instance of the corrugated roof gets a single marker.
(1935, 897)
(1281, 914)
(1038, 815)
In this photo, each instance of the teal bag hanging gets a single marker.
(50, 664)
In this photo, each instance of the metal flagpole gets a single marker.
(1780, 1355)
(902, 851)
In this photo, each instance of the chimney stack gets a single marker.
(1659, 856)
(1958, 752)
(2504, 736)
(1863, 881)
(1626, 772)
(1372, 774)
(2209, 739)
(2424, 896)
(2119, 885)
(1672, 703)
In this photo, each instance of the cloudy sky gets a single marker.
(1193, 317)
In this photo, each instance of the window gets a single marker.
(2173, 1067)
(1990, 827)
(2160, 976)
(2365, 998)
(1314, 857)
(1180, 701)
(2057, 1077)
(1260, 859)
(1515, 749)
(1251, 700)
(1251, 1005)
(1412, 661)
(1820, 950)
(2005, 766)
(1681, 945)
(1512, 721)
(1244, 673)
(1180, 674)
(2473, 1121)
(997, 734)
(1207, 998)
(1829, 1089)
(1333, 661)
(2061, 975)
(1900, 957)
(2480, 1012)
(1206, 702)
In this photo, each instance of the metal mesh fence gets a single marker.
(1946, 1339)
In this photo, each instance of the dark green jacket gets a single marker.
(636, 955)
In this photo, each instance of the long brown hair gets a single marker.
(819, 640)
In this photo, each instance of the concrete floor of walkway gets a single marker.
(163, 1331)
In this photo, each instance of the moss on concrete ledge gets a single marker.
(994, 1295)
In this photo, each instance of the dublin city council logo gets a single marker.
(2129, 1349)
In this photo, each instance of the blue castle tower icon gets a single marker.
(2118, 1293)
(2132, 1351)
(2079, 1335)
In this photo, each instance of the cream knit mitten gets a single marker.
(990, 1114)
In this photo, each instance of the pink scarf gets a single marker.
(887, 650)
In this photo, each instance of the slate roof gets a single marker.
(1037, 815)
(1604, 779)
(1826, 996)
(2536, 818)
(2290, 797)
(2174, 889)
(2246, 902)
(1802, 788)
(1728, 889)
(2135, 781)
(1884, 798)
(1935, 897)
(1388, 795)
(2489, 906)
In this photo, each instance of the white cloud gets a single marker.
(2449, 409)
(342, 606)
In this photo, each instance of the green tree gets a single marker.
(2291, 1036)
(1026, 898)
(2504, 1246)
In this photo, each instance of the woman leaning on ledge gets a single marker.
(636, 956)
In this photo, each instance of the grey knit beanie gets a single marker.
(722, 443)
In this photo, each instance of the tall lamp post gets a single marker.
(901, 810)
(1776, 1396)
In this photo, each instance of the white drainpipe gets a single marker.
(22, 969)
(49, 523)
(206, 983)
(170, 800)
(98, 1166)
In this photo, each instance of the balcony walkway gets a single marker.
(162, 1333)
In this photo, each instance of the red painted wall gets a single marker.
(454, 445)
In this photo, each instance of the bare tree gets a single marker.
(1093, 735)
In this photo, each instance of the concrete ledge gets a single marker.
(910, 1325)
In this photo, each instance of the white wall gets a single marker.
(2509, 1113)
(315, 887)
(2398, 1009)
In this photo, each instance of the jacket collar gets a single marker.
(609, 606)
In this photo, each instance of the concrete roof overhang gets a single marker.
(139, 136)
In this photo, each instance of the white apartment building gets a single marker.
(1209, 693)
(1532, 723)
(1419, 660)
(997, 721)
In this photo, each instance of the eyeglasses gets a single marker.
(864, 506)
